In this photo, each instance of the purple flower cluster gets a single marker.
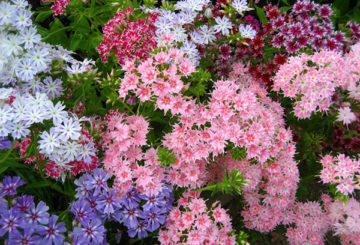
(148, 217)
(98, 203)
(24, 222)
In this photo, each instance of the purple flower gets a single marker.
(83, 211)
(140, 230)
(131, 198)
(10, 184)
(92, 232)
(155, 217)
(82, 190)
(24, 237)
(130, 215)
(5, 143)
(24, 203)
(52, 233)
(108, 202)
(98, 181)
(9, 221)
(38, 214)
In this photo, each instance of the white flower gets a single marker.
(19, 130)
(57, 113)
(25, 69)
(189, 48)
(34, 85)
(6, 113)
(223, 25)
(35, 114)
(207, 34)
(346, 115)
(40, 57)
(179, 33)
(185, 17)
(86, 151)
(10, 45)
(194, 5)
(22, 18)
(52, 88)
(6, 13)
(5, 129)
(70, 150)
(247, 31)
(163, 26)
(29, 37)
(5, 93)
(48, 142)
(240, 6)
(68, 129)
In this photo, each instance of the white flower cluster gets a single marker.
(170, 22)
(22, 53)
(62, 144)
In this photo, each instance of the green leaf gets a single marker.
(165, 156)
(43, 15)
(261, 14)
(40, 184)
(238, 153)
(81, 24)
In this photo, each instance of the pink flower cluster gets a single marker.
(308, 25)
(238, 112)
(344, 219)
(159, 78)
(128, 38)
(311, 224)
(312, 79)
(123, 139)
(192, 223)
(59, 6)
(342, 171)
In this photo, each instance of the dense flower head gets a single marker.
(192, 222)
(342, 171)
(344, 218)
(140, 213)
(59, 6)
(312, 80)
(159, 78)
(123, 141)
(22, 221)
(129, 39)
(308, 25)
(237, 112)
(311, 224)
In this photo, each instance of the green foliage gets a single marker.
(165, 156)
(238, 153)
(229, 185)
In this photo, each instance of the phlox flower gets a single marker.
(346, 115)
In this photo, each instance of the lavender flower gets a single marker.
(5, 143)
(10, 184)
(98, 180)
(108, 202)
(9, 221)
(140, 230)
(52, 233)
(93, 232)
(155, 217)
(38, 214)
(24, 203)
(26, 236)
(130, 215)
(83, 211)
